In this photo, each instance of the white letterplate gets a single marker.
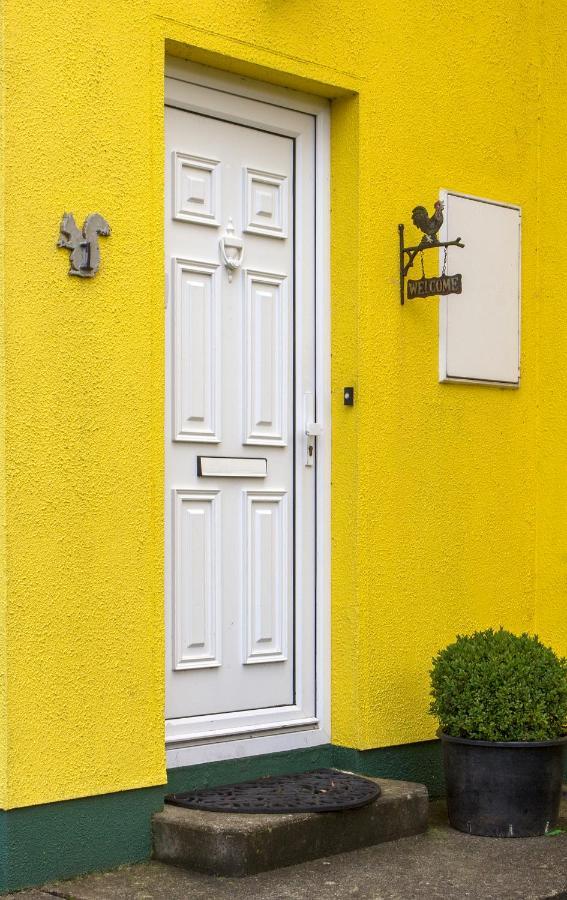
(231, 467)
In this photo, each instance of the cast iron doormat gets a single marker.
(324, 790)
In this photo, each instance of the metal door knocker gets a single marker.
(85, 253)
(231, 249)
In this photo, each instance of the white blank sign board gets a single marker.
(479, 330)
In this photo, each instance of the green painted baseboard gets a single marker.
(410, 762)
(59, 840)
(233, 770)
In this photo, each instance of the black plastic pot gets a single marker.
(503, 789)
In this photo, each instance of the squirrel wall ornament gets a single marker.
(85, 253)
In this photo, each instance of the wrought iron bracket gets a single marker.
(412, 252)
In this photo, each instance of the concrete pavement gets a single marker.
(440, 865)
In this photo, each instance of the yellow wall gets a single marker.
(3, 680)
(434, 486)
(552, 351)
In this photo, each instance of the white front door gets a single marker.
(240, 391)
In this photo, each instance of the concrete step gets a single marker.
(237, 844)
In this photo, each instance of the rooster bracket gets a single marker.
(411, 252)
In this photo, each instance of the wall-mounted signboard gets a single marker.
(479, 329)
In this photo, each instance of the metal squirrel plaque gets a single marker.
(85, 253)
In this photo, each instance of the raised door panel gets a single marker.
(266, 580)
(196, 189)
(197, 583)
(266, 352)
(265, 203)
(196, 382)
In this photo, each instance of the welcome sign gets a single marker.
(433, 287)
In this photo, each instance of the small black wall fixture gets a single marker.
(427, 287)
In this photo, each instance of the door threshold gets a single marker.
(241, 746)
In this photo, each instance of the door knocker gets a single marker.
(231, 249)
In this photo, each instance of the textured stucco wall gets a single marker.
(83, 411)
(3, 680)
(434, 485)
(552, 351)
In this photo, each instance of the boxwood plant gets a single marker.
(498, 686)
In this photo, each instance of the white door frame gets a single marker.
(210, 744)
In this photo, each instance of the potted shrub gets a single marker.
(501, 702)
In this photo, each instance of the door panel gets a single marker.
(240, 541)
(266, 353)
(196, 349)
(266, 577)
(197, 587)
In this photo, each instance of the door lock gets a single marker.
(313, 429)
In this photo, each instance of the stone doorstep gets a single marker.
(238, 844)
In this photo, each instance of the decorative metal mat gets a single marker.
(324, 790)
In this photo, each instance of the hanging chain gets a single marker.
(444, 271)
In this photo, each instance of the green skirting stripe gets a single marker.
(58, 840)
(409, 762)
(234, 770)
